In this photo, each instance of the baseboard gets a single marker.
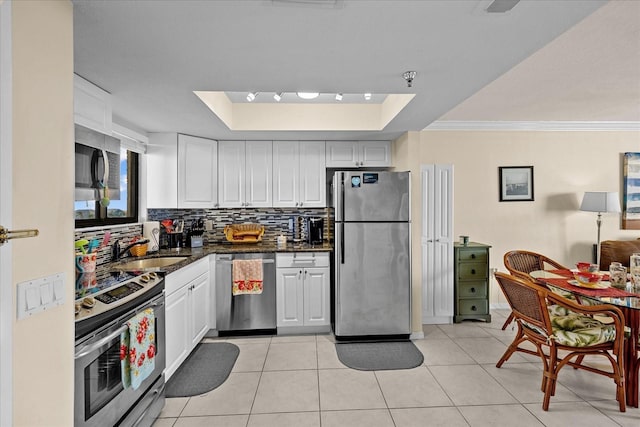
(288, 330)
(416, 335)
(500, 306)
(437, 320)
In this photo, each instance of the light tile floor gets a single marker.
(298, 381)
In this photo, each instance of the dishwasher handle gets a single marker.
(229, 262)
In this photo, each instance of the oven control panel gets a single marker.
(115, 295)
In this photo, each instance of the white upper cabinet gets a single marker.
(197, 172)
(299, 174)
(286, 173)
(91, 106)
(356, 154)
(245, 174)
(181, 171)
(313, 180)
(162, 173)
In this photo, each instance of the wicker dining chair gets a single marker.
(520, 263)
(553, 323)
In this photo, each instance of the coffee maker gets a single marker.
(315, 228)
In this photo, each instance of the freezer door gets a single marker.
(371, 196)
(373, 282)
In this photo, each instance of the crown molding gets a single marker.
(533, 126)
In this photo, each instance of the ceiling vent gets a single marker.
(501, 6)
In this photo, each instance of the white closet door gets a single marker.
(437, 243)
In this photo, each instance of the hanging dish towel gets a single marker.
(247, 276)
(138, 349)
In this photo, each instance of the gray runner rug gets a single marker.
(379, 356)
(204, 370)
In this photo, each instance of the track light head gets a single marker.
(409, 76)
(251, 96)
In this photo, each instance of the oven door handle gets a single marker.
(93, 347)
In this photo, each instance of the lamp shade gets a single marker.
(600, 201)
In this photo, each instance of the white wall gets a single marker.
(43, 170)
(566, 164)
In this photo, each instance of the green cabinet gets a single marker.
(471, 276)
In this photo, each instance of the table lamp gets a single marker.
(600, 201)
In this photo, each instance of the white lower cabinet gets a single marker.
(302, 292)
(187, 312)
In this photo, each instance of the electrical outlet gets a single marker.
(493, 271)
(208, 224)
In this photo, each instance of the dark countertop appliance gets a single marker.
(315, 228)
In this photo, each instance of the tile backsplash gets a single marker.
(275, 220)
(124, 234)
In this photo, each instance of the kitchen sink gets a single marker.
(149, 263)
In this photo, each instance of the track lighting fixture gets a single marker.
(251, 96)
(277, 96)
(367, 96)
(409, 76)
(338, 97)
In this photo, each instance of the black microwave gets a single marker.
(97, 161)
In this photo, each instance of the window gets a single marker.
(89, 213)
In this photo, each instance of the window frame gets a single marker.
(133, 192)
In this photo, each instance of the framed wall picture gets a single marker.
(631, 194)
(516, 183)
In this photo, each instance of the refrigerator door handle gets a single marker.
(342, 218)
(342, 243)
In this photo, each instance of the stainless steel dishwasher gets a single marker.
(245, 312)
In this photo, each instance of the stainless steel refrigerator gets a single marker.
(372, 247)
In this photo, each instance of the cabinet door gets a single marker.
(316, 296)
(289, 297)
(231, 167)
(342, 154)
(177, 330)
(286, 172)
(197, 172)
(199, 299)
(258, 174)
(374, 153)
(313, 187)
(91, 106)
(162, 174)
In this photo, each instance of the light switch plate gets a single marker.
(35, 296)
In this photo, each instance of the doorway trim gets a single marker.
(6, 289)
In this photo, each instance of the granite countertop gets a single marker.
(194, 254)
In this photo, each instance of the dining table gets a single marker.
(627, 300)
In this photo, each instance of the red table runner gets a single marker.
(599, 292)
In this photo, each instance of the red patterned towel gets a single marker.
(138, 349)
(247, 276)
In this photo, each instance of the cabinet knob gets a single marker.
(473, 256)
(474, 308)
(473, 271)
(473, 290)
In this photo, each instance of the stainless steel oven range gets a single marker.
(100, 398)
